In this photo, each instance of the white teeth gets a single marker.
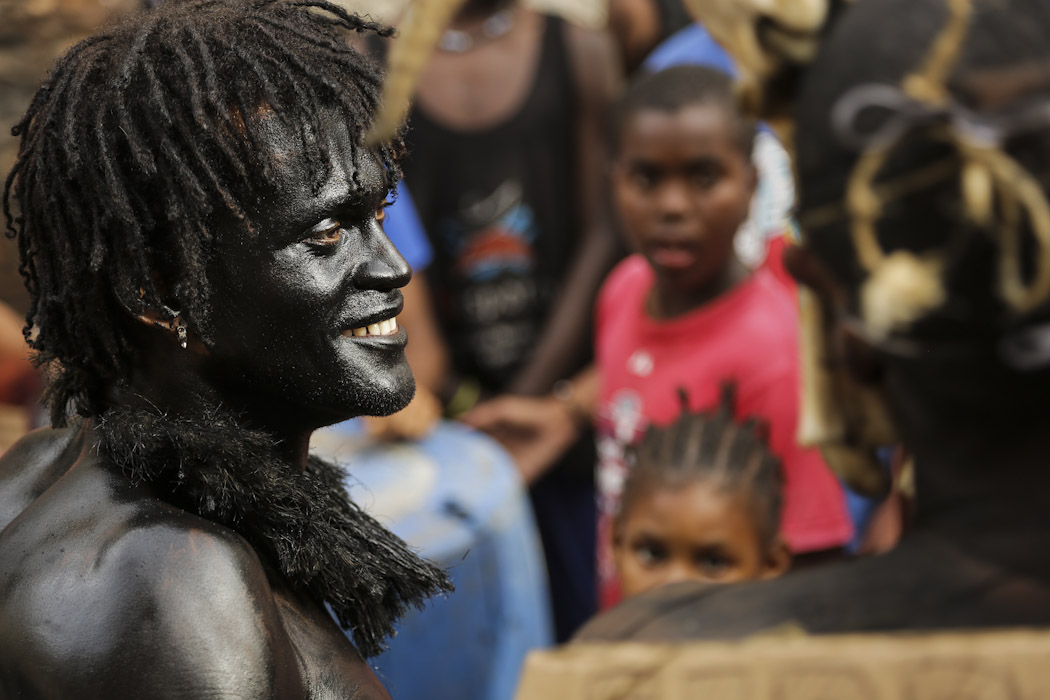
(385, 327)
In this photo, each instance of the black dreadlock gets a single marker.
(678, 87)
(710, 445)
(139, 137)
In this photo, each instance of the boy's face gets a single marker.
(695, 532)
(683, 187)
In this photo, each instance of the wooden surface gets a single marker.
(1008, 665)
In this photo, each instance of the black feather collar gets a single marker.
(304, 523)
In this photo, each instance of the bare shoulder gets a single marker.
(101, 576)
(589, 42)
(39, 445)
(33, 464)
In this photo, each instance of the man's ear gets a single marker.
(777, 560)
(165, 318)
(157, 316)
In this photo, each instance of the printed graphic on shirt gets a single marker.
(640, 363)
(492, 235)
(496, 296)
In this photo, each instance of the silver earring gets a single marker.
(177, 325)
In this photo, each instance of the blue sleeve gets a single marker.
(690, 46)
(405, 231)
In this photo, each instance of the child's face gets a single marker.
(683, 187)
(695, 532)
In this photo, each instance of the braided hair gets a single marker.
(710, 445)
(139, 138)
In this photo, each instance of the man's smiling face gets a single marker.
(302, 306)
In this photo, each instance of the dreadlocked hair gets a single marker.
(710, 445)
(139, 138)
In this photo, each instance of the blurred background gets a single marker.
(509, 467)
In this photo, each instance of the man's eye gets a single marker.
(329, 235)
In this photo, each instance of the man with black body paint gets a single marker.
(199, 224)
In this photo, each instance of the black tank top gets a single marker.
(500, 208)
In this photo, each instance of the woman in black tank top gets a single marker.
(513, 201)
(498, 204)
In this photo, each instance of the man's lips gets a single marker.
(380, 322)
(386, 326)
(383, 334)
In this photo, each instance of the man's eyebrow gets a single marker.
(351, 197)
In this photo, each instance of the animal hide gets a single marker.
(304, 523)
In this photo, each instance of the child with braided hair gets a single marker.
(702, 503)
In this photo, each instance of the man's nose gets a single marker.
(382, 266)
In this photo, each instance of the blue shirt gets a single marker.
(690, 46)
(405, 231)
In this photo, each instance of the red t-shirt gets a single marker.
(749, 335)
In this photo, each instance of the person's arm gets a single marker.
(636, 26)
(566, 335)
(537, 430)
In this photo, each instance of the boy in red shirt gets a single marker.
(685, 311)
